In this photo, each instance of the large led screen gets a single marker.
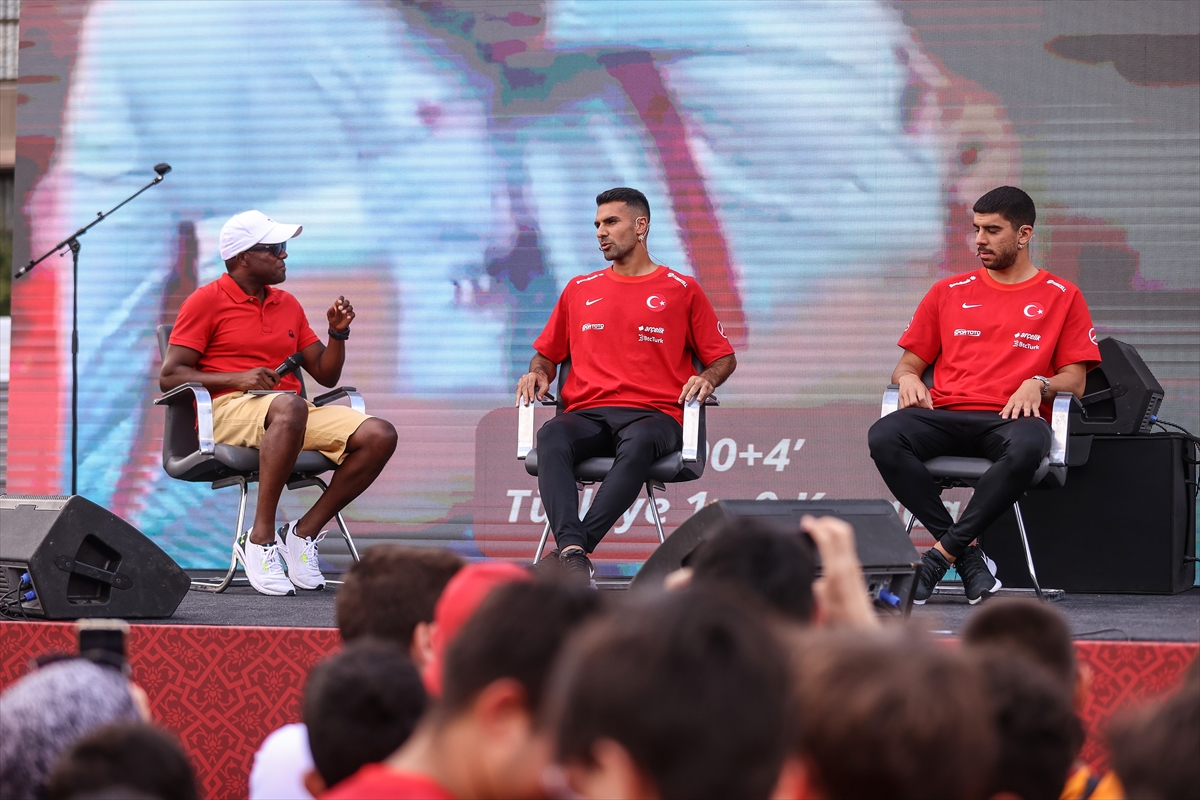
(811, 164)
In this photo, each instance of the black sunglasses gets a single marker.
(277, 249)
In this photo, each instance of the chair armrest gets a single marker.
(1059, 424)
(349, 392)
(524, 429)
(891, 399)
(186, 392)
(691, 429)
(525, 425)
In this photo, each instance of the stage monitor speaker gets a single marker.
(1121, 395)
(887, 554)
(81, 561)
(1125, 522)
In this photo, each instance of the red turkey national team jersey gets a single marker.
(987, 337)
(631, 340)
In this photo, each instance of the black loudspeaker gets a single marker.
(82, 561)
(1121, 395)
(887, 554)
(1125, 522)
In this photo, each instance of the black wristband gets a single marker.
(341, 337)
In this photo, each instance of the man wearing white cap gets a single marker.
(229, 336)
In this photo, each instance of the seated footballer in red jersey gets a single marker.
(230, 336)
(630, 331)
(1006, 339)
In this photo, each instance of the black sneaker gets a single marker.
(978, 573)
(933, 569)
(577, 566)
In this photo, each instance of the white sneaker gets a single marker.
(301, 556)
(263, 566)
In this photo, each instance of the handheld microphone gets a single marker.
(289, 365)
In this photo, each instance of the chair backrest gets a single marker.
(164, 339)
(927, 375)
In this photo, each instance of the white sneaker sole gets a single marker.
(258, 587)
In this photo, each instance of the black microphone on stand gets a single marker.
(289, 365)
(162, 170)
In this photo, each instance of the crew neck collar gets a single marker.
(986, 277)
(612, 274)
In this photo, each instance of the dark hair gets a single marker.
(391, 589)
(516, 633)
(630, 197)
(1027, 626)
(892, 715)
(762, 560)
(1038, 732)
(692, 684)
(137, 758)
(1154, 748)
(360, 705)
(1009, 202)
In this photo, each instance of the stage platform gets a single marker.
(1110, 617)
(228, 669)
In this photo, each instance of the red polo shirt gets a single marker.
(233, 332)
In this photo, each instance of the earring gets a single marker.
(642, 238)
(1020, 247)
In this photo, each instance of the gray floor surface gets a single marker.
(1091, 616)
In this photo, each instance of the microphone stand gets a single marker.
(72, 242)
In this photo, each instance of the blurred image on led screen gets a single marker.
(811, 164)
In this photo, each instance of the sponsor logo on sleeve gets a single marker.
(682, 282)
(588, 278)
(1056, 285)
(1033, 310)
(1092, 335)
(721, 330)
(593, 326)
(655, 302)
(961, 283)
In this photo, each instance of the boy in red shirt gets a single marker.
(630, 331)
(1006, 339)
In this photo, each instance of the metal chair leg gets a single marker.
(216, 588)
(537, 555)
(340, 520)
(654, 511)
(1028, 554)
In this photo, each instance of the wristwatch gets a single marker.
(1045, 383)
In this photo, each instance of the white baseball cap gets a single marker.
(249, 228)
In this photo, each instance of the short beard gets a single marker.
(1004, 261)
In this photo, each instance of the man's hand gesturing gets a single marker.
(340, 314)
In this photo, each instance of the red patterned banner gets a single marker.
(221, 690)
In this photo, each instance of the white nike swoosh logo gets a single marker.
(977, 305)
(597, 300)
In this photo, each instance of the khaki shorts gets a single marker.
(238, 419)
